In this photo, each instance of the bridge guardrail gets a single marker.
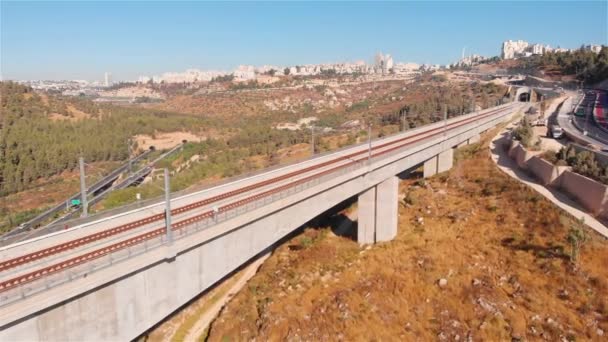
(112, 256)
(189, 192)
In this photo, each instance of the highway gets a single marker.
(100, 184)
(81, 248)
(60, 223)
(574, 125)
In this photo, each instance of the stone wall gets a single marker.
(519, 154)
(546, 172)
(591, 194)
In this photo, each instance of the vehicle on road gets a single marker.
(540, 122)
(555, 132)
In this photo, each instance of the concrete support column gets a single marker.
(445, 160)
(366, 222)
(439, 163)
(474, 139)
(378, 212)
(430, 167)
(387, 209)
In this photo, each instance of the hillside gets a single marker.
(579, 65)
(478, 256)
(43, 135)
(228, 132)
(335, 103)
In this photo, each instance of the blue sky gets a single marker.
(81, 40)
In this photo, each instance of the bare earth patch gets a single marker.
(74, 114)
(163, 141)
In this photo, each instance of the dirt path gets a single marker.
(207, 318)
(508, 166)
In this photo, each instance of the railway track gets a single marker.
(155, 232)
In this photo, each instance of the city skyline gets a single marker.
(85, 40)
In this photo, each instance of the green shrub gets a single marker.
(524, 133)
(583, 163)
(410, 198)
(576, 237)
(550, 156)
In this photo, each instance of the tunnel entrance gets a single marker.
(524, 97)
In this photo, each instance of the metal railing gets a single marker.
(156, 201)
(158, 239)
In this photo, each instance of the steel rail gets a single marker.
(27, 258)
(34, 275)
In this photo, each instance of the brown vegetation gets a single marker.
(502, 251)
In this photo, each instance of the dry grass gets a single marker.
(501, 247)
(54, 189)
(162, 141)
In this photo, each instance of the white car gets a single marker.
(555, 132)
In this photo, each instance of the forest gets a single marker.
(587, 66)
(455, 100)
(33, 145)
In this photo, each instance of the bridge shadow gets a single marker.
(415, 171)
(335, 218)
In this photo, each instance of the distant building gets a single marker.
(244, 73)
(107, 79)
(558, 49)
(470, 60)
(512, 49)
(406, 68)
(383, 63)
(537, 49)
(520, 48)
(593, 48)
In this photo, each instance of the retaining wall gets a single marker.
(521, 156)
(546, 172)
(591, 194)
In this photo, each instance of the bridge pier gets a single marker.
(439, 163)
(378, 212)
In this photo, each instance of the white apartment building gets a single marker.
(593, 47)
(514, 49)
(107, 77)
(537, 49)
(383, 63)
(405, 68)
(244, 73)
(511, 49)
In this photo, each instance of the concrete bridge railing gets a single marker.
(127, 291)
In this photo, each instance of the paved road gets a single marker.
(565, 119)
(509, 166)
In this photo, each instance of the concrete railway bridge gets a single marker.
(115, 277)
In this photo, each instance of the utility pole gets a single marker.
(586, 119)
(83, 190)
(403, 119)
(312, 139)
(129, 156)
(369, 144)
(445, 118)
(168, 208)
